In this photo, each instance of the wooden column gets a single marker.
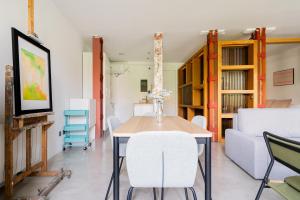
(260, 36)
(98, 82)
(158, 63)
(212, 40)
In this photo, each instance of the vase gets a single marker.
(159, 111)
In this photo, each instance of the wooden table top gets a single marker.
(170, 123)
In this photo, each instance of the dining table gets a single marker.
(138, 124)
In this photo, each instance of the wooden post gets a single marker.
(212, 40)
(98, 82)
(30, 16)
(28, 149)
(8, 134)
(260, 36)
(44, 149)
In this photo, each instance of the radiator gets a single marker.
(19, 153)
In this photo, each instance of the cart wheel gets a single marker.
(90, 144)
(70, 143)
(64, 148)
(85, 148)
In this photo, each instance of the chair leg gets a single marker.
(111, 180)
(186, 194)
(201, 169)
(154, 193)
(194, 193)
(162, 194)
(129, 195)
(109, 186)
(265, 180)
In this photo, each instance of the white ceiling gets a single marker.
(127, 26)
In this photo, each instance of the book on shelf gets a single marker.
(234, 80)
(234, 55)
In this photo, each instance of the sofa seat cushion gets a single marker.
(293, 181)
(285, 190)
(280, 121)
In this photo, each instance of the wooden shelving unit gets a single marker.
(237, 80)
(234, 76)
(192, 86)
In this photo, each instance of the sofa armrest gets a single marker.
(247, 151)
(235, 121)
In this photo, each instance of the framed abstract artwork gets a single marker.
(283, 77)
(32, 75)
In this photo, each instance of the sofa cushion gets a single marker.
(280, 121)
(293, 181)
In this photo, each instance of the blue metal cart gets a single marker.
(82, 136)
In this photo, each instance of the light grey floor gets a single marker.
(92, 170)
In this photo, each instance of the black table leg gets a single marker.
(116, 168)
(208, 169)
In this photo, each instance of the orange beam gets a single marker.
(98, 82)
(212, 39)
(260, 36)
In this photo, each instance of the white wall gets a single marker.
(65, 44)
(88, 83)
(280, 57)
(126, 87)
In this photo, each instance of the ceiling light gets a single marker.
(220, 31)
(251, 30)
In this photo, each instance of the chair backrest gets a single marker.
(200, 121)
(162, 159)
(284, 151)
(113, 122)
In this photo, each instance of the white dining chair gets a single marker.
(113, 123)
(165, 159)
(201, 121)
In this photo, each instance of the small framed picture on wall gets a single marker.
(144, 85)
(283, 77)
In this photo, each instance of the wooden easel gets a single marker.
(14, 126)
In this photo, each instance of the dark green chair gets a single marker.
(286, 152)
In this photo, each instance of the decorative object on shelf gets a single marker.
(283, 77)
(32, 75)
(144, 85)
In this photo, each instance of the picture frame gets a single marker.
(284, 77)
(144, 85)
(32, 75)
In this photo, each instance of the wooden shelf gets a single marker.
(185, 106)
(237, 91)
(236, 43)
(192, 79)
(227, 115)
(184, 85)
(191, 106)
(198, 87)
(237, 67)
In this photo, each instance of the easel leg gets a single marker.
(8, 167)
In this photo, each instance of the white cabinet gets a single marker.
(85, 104)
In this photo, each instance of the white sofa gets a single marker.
(245, 145)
